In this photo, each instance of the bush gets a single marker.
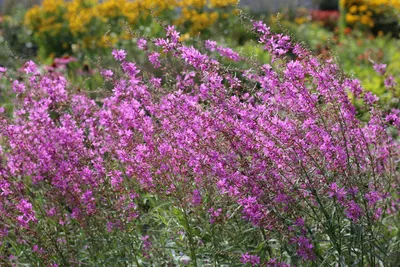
(204, 164)
(61, 26)
(358, 54)
(14, 37)
(377, 15)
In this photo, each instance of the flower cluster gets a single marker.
(281, 141)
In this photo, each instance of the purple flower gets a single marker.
(253, 260)
(28, 214)
(110, 226)
(154, 58)
(193, 57)
(130, 68)
(18, 87)
(261, 27)
(353, 211)
(372, 197)
(142, 44)
(299, 222)
(116, 178)
(64, 60)
(353, 191)
(196, 197)
(378, 213)
(214, 214)
(380, 68)
(355, 87)
(274, 141)
(370, 98)
(252, 210)
(211, 45)
(107, 74)
(304, 248)
(30, 67)
(119, 55)
(156, 82)
(166, 44)
(146, 243)
(339, 193)
(172, 33)
(223, 51)
(3, 69)
(390, 82)
(228, 53)
(394, 117)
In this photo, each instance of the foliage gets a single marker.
(15, 38)
(366, 52)
(60, 27)
(380, 14)
(199, 162)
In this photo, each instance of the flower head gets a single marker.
(142, 44)
(253, 260)
(119, 55)
(380, 68)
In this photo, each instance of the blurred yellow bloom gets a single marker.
(184, 37)
(363, 8)
(300, 20)
(51, 6)
(367, 20)
(353, 9)
(351, 18)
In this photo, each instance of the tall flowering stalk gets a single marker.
(280, 143)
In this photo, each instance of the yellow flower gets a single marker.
(51, 6)
(87, 20)
(351, 18)
(367, 9)
(223, 3)
(184, 37)
(353, 9)
(363, 8)
(367, 20)
(300, 20)
(32, 17)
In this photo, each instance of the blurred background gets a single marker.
(75, 37)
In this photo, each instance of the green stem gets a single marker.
(342, 19)
(214, 245)
(190, 237)
(264, 235)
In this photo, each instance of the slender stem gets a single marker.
(342, 19)
(191, 241)
(214, 245)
